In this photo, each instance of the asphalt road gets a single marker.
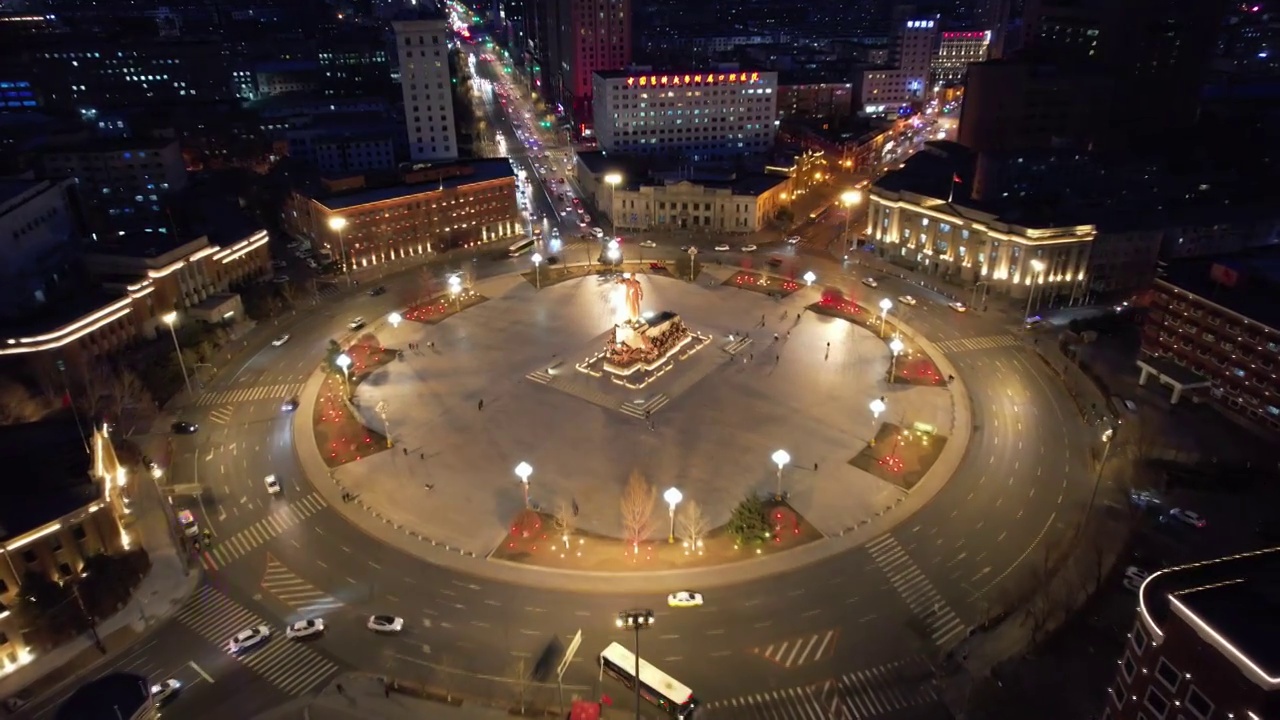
(858, 631)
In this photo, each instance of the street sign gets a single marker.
(569, 653)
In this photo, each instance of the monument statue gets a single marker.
(634, 294)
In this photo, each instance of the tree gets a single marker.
(289, 292)
(638, 499)
(693, 524)
(564, 521)
(519, 682)
(48, 605)
(749, 521)
(17, 405)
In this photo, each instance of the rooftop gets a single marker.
(60, 311)
(639, 172)
(1255, 289)
(140, 244)
(10, 189)
(1235, 597)
(482, 171)
(111, 145)
(46, 475)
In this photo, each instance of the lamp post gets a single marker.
(877, 406)
(523, 471)
(338, 223)
(780, 458)
(1037, 267)
(693, 254)
(636, 620)
(613, 180)
(673, 498)
(849, 198)
(381, 409)
(169, 319)
(885, 304)
(809, 278)
(973, 296)
(455, 287)
(537, 270)
(344, 362)
(895, 347)
(395, 319)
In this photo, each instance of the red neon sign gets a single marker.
(682, 80)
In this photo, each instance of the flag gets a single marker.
(955, 178)
(66, 399)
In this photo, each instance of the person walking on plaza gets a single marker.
(480, 405)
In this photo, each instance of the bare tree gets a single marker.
(638, 499)
(290, 293)
(565, 521)
(17, 404)
(127, 390)
(519, 682)
(693, 524)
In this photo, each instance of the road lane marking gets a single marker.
(198, 669)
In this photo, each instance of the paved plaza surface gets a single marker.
(450, 477)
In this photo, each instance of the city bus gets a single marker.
(520, 247)
(655, 686)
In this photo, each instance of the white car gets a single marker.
(304, 629)
(280, 279)
(1186, 517)
(722, 247)
(272, 483)
(597, 232)
(280, 340)
(1134, 577)
(870, 282)
(958, 306)
(247, 639)
(907, 300)
(648, 244)
(385, 623)
(356, 323)
(749, 248)
(684, 598)
(793, 239)
(163, 691)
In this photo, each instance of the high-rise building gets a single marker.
(707, 115)
(422, 44)
(592, 36)
(885, 91)
(956, 52)
(1203, 646)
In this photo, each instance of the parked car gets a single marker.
(870, 282)
(182, 427)
(958, 306)
(1134, 577)
(648, 244)
(356, 323)
(385, 623)
(1186, 517)
(722, 247)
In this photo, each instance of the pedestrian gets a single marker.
(386, 690)
(815, 467)
(751, 357)
(761, 319)
(776, 358)
(775, 337)
(828, 346)
(422, 456)
(788, 334)
(340, 690)
(406, 451)
(480, 405)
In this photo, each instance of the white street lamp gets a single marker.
(537, 270)
(877, 406)
(613, 180)
(896, 347)
(523, 471)
(673, 498)
(848, 198)
(338, 223)
(455, 287)
(1037, 267)
(809, 277)
(169, 319)
(780, 458)
(395, 319)
(344, 362)
(614, 254)
(885, 304)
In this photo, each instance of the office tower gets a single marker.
(887, 90)
(422, 43)
(593, 36)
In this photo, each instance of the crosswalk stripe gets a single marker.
(289, 666)
(265, 529)
(915, 589)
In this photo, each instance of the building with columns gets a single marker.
(925, 221)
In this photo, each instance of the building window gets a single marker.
(1156, 703)
(1198, 704)
(65, 569)
(29, 556)
(4, 588)
(1128, 667)
(1168, 674)
(1118, 693)
(1139, 638)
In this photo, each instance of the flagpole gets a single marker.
(952, 194)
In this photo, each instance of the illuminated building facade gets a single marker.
(62, 506)
(699, 116)
(1216, 318)
(887, 90)
(1204, 646)
(123, 182)
(425, 84)
(430, 210)
(956, 51)
(970, 245)
(133, 283)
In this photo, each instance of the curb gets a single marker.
(379, 528)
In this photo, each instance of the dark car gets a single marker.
(183, 427)
(381, 289)
(290, 405)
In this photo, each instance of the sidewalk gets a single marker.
(158, 596)
(363, 697)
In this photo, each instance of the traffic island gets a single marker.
(340, 435)
(764, 284)
(912, 366)
(901, 456)
(556, 274)
(441, 307)
(758, 527)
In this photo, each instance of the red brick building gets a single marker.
(1205, 645)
